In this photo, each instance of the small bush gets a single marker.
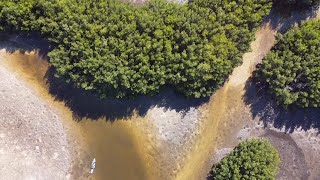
(251, 159)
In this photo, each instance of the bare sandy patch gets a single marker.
(32, 138)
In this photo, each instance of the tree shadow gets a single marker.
(281, 20)
(264, 107)
(86, 105)
(24, 42)
(211, 175)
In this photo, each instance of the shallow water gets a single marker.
(127, 149)
(121, 149)
(226, 112)
(117, 150)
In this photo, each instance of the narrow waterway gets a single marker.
(163, 143)
(226, 110)
(227, 113)
(122, 149)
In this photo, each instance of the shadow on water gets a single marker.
(281, 20)
(119, 148)
(264, 107)
(24, 42)
(83, 103)
(86, 105)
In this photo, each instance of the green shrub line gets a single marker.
(251, 159)
(291, 71)
(121, 50)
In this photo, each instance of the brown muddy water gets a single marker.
(121, 149)
(128, 148)
(226, 113)
(124, 149)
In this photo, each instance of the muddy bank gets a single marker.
(299, 150)
(228, 113)
(118, 147)
(142, 139)
(33, 142)
(162, 137)
(293, 164)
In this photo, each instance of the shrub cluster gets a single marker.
(251, 159)
(117, 49)
(291, 71)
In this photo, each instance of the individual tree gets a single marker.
(251, 159)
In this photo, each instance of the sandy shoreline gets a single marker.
(163, 143)
(117, 146)
(32, 138)
(228, 114)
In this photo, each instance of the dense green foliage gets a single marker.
(119, 49)
(251, 159)
(291, 72)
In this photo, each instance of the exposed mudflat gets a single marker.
(118, 146)
(50, 130)
(229, 118)
(152, 134)
(33, 143)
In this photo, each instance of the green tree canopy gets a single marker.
(118, 49)
(251, 159)
(291, 71)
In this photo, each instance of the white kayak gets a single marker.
(93, 165)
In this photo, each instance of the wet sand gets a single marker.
(152, 146)
(228, 114)
(226, 110)
(33, 142)
(121, 150)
